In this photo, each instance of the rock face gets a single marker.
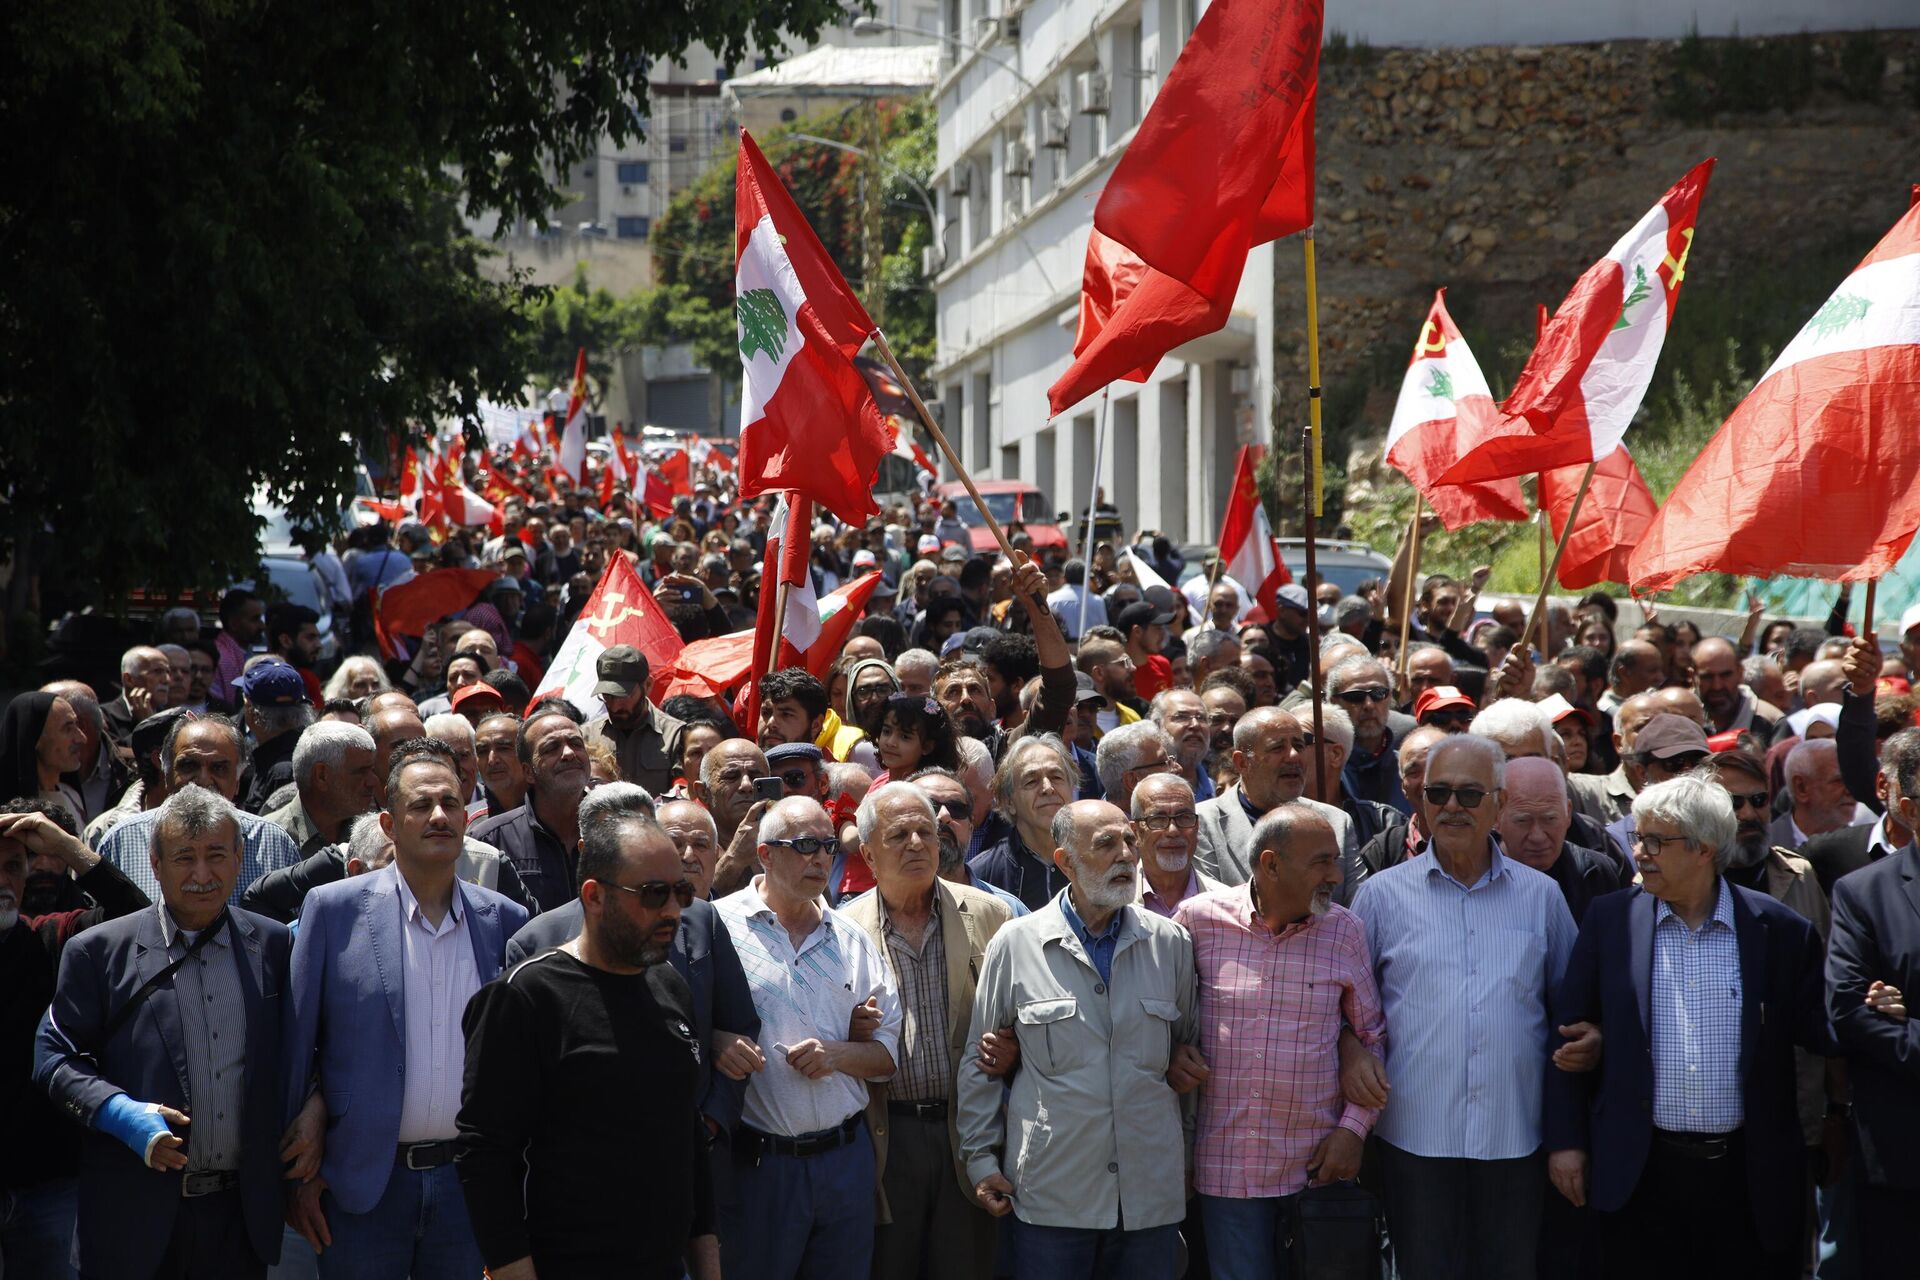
(1504, 172)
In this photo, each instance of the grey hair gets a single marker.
(1702, 810)
(710, 763)
(133, 655)
(1800, 760)
(179, 613)
(867, 817)
(919, 659)
(1900, 760)
(1157, 709)
(1347, 669)
(193, 811)
(1334, 641)
(613, 800)
(781, 821)
(86, 708)
(1349, 608)
(1278, 827)
(445, 723)
(170, 745)
(1476, 744)
(974, 754)
(1202, 646)
(270, 722)
(336, 686)
(1121, 749)
(1337, 725)
(367, 840)
(1164, 780)
(706, 815)
(326, 744)
(843, 777)
(1062, 831)
(1756, 668)
(1003, 777)
(1510, 720)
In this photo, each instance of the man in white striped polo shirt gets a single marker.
(1467, 947)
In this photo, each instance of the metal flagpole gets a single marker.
(1086, 537)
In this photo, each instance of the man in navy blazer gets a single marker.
(1702, 989)
(382, 970)
(1873, 969)
(180, 1171)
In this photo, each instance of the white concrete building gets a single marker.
(1037, 99)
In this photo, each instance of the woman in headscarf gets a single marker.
(40, 739)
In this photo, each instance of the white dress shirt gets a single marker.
(438, 977)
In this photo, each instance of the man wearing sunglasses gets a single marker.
(1665, 747)
(580, 1058)
(1466, 944)
(1364, 691)
(803, 1166)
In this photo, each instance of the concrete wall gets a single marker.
(1396, 22)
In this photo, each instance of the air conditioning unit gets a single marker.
(986, 28)
(929, 262)
(1053, 128)
(1019, 158)
(960, 181)
(1094, 91)
(1014, 8)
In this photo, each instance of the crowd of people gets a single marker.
(1054, 928)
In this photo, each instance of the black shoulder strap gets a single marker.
(147, 988)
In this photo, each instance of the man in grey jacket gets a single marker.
(1089, 1155)
(1272, 750)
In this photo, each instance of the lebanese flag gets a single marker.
(620, 611)
(465, 507)
(1247, 551)
(785, 560)
(1444, 406)
(1590, 368)
(1222, 162)
(1613, 518)
(704, 454)
(572, 453)
(808, 420)
(621, 469)
(1815, 474)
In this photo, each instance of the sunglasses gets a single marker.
(1748, 799)
(1469, 797)
(653, 894)
(1355, 697)
(958, 810)
(1676, 764)
(1445, 718)
(796, 778)
(808, 846)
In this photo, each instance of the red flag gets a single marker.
(1247, 551)
(620, 611)
(1613, 518)
(677, 471)
(708, 669)
(808, 420)
(409, 608)
(840, 612)
(1594, 360)
(1815, 473)
(657, 496)
(1222, 162)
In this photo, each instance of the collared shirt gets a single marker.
(264, 848)
(231, 663)
(924, 1065)
(806, 993)
(545, 865)
(1150, 897)
(1464, 973)
(438, 976)
(1696, 1021)
(213, 1033)
(1099, 947)
(1271, 1008)
(1064, 603)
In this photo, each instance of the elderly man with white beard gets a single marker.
(1086, 1151)
(1164, 818)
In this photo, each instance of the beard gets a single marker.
(45, 892)
(630, 944)
(1109, 890)
(950, 851)
(1321, 902)
(1174, 864)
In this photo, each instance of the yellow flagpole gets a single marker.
(1315, 487)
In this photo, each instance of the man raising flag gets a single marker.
(808, 421)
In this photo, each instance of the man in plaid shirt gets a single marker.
(1281, 967)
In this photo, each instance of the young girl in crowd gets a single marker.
(915, 734)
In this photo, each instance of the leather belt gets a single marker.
(208, 1182)
(918, 1110)
(424, 1155)
(1697, 1146)
(808, 1144)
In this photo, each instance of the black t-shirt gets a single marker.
(580, 1137)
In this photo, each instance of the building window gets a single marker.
(633, 171)
(676, 145)
(631, 228)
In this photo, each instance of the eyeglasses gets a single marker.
(653, 894)
(1469, 797)
(807, 846)
(796, 778)
(1675, 764)
(1748, 800)
(1372, 693)
(1153, 766)
(1657, 845)
(1187, 717)
(1163, 821)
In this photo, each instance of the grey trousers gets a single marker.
(936, 1231)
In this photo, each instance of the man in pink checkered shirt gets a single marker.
(1281, 969)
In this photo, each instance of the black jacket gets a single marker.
(270, 769)
(1875, 936)
(1584, 875)
(545, 865)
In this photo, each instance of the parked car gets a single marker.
(1011, 502)
(1336, 560)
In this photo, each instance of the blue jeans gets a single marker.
(36, 1230)
(1243, 1237)
(420, 1229)
(1078, 1253)
(801, 1217)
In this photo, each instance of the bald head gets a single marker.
(1637, 666)
(1536, 814)
(1821, 681)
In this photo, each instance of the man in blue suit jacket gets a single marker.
(180, 1170)
(382, 970)
(1702, 989)
(1873, 971)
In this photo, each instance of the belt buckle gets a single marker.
(416, 1149)
(203, 1182)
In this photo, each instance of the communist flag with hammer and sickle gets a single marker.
(621, 611)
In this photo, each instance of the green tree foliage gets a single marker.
(232, 245)
(693, 242)
(562, 321)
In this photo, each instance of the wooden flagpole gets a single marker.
(1866, 610)
(939, 438)
(1407, 590)
(1086, 538)
(1559, 549)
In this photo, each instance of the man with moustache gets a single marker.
(646, 739)
(953, 815)
(1271, 752)
(558, 1050)
(542, 836)
(1084, 1150)
(1183, 717)
(1533, 830)
(1282, 969)
(503, 779)
(1164, 818)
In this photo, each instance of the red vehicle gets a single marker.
(1011, 502)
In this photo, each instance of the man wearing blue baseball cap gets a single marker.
(276, 709)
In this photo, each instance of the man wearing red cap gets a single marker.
(1444, 707)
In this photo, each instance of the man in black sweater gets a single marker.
(582, 1153)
